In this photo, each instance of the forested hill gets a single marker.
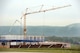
(66, 31)
(73, 40)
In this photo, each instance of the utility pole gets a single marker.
(25, 30)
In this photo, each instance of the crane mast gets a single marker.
(25, 30)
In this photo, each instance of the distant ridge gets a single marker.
(72, 30)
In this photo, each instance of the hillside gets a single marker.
(73, 40)
(72, 30)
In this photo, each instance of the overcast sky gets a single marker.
(11, 10)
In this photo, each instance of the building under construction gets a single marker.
(16, 41)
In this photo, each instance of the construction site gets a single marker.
(26, 41)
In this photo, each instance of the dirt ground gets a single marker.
(22, 52)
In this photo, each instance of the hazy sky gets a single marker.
(11, 10)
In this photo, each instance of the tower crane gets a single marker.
(25, 14)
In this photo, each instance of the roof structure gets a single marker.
(20, 41)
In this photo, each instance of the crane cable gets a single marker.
(13, 25)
